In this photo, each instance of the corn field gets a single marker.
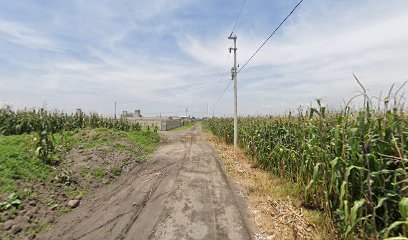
(27, 121)
(352, 164)
(43, 124)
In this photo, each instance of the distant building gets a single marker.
(136, 114)
(163, 123)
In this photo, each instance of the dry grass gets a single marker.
(274, 203)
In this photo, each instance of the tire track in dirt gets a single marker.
(181, 193)
(186, 156)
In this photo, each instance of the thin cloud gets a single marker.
(27, 37)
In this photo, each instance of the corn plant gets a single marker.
(27, 121)
(44, 145)
(43, 124)
(352, 164)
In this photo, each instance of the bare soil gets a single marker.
(181, 193)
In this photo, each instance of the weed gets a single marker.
(98, 173)
(13, 200)
(117, 171)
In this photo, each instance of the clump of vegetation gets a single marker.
(13, 200)
(352, 164)
(18, 162)
(117, 171)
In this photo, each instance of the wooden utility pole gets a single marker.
(234, 77)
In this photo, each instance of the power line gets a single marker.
(246, 63)
(276, 29)
(174, 112)
(186, 91)
(204, 86)
(239, 14)
(222, 94)
(174, 94)
(226, 87)
(201, 87)
(232, 31)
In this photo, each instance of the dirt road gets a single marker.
(181, 193)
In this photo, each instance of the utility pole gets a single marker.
(115, 109)
(234, 77)
(208, 108)
(186, 112)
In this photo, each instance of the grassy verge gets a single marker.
(123, 141)
(186, 125)
(147, 140)
(18, 163)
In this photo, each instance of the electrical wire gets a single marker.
(246, 63)
(232, 31)
(186, 91)
(201, 87)
(239, 14)
(276, 29)
(204, 86)
(174, 94)
(222, 94)
(175, 112)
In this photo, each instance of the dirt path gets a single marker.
(182, 193)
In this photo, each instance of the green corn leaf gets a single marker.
(386, 231)
(403, 207)
(351, 219)
(342, 193)
(380, 203)
(315, 175)
(354, 210)
(334, 164)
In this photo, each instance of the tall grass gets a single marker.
(352, 164)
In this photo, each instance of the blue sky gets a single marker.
(88, 54)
